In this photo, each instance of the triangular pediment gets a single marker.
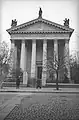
(39, 25)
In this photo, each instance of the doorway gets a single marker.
(39, 77)
(39, 72)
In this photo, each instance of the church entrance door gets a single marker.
(39, 72)
(39, 76)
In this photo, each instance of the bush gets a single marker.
(13, 75)
(75, 73)
(66, 79)
(76, 77)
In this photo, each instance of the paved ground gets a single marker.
(42, 90)
(8, 101)
(5, 97)
(40, 106)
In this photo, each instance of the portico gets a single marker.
(33, 42)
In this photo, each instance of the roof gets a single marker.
(62, 28)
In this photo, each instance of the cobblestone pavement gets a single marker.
(46, 107)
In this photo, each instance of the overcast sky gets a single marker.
(53, 10)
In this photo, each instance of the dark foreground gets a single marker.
(46, 106)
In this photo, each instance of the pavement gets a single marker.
(42, 90)
(10, 104)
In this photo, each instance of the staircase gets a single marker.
(48, 85)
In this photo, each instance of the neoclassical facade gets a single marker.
(36, 40)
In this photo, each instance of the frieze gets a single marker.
(40, 36)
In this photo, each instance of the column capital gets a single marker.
(12, 40)
(23, 40)
(67, 40)
(34, 40)
(55, 40)
(45, 40)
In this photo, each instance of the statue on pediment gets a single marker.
(14, 23)
(66, 22)
(40, 13)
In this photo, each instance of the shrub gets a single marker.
(65, 79)
(13, 75)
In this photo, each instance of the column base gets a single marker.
(43, 80)
(25, 77)
(43, 84)
(33, 75)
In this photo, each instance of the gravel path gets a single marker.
(46, 107)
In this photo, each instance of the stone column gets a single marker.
(33, 59)
(12, 44)
(15, 56)
(12, 64)
(23, 61)
(56, 55)
(44, 70)
(66, 58)
(55, 50)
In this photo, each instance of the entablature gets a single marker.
(40, 36)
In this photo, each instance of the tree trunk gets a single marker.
(57, 87)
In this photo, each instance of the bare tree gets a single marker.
(55, 64)
(4, 56)
(6, 59)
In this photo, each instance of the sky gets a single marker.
(53, 10)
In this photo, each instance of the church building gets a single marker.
(34, 41)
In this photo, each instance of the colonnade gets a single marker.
(33, 58)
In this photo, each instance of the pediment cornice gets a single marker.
(16, 28)
(35, 32)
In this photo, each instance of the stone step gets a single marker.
(12, 84)
(48, 85)
(62, 85)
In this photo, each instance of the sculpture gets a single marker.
(40, 12)
(66, 22)
(14, 23)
